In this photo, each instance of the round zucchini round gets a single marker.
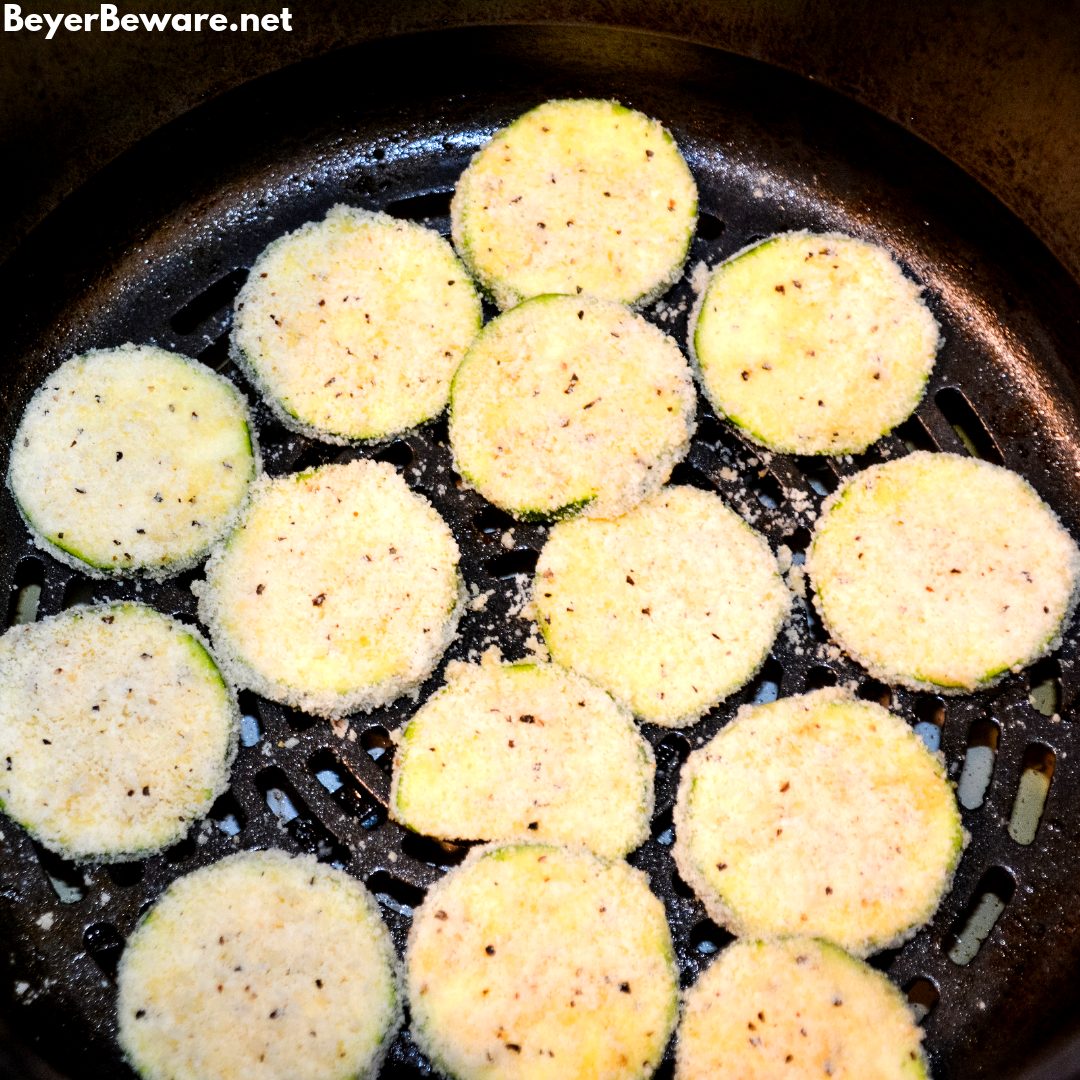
(132, 459)
(534, 961)
(356, 572)
(669, 608)
(116, 730)
(353, 326)
(263, 964)
(570, 404)
(942, 572)
(813, 343)
(524, 751)
(796, 1008)
(820, 815)
(576, 196)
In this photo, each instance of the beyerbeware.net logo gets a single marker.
(108, 19)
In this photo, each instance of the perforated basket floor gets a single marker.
(156, 249)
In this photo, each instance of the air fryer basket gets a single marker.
(156, 248)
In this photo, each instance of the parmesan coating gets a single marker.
(354, 571)
(821, 815)
(800, 1009)
(264, 966)
(353, 326)
(813, 343)
(670, 608)
(524, 751)
(567, 404)
(545, 963)
(132, 459)
(942, 572)
(576, 196)
(116, 730)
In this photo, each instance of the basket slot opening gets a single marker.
(766, 489)
(441, 854)
(491, 524)
(105, 944)
(708, 938)
(393, 893)
(914, 435)
(922, 996)
(310, 835)
(1036, 775)
(671, 751)
(25, 593)
(817, 631)
(210, 302)
(819, 676)
(877, 692)
(820, 474)
(1044, 682)
(64, 876)
(250, 727)
(991, 897)
(797, 543)
(79, 590)
(766, 687)
(663, 827)
(216, 355)
(125, 874)
(398, 453)
(709, 226)
(378, 746)
(964, 420)
(428, 207)
(346, 790)
(228, 815)
(685, 472)
(512, 563)
(978, 769)
(679, 886)
(929, 720)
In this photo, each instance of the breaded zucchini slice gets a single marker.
(524, 751)
(130, 459)
(796, 1008)
(339, 590)
(813, 343)
(942, 572)
(576, 196)
(353, 326)
(822, 815)
(116, 730)
(669, 608)
(540, 962)
(260, 965)
(568, 403)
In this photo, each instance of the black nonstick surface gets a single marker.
(156, 247)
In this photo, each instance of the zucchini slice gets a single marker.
(567, 404)
(357, 573)
(352, 327)
(261, 965)
(132, 459)
(116, 730)
(524, 751)
(576, 196)
(813, 343)
(942, 572)
(821, 815)
(669, 608)
(533, 961)
(800, 1009)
